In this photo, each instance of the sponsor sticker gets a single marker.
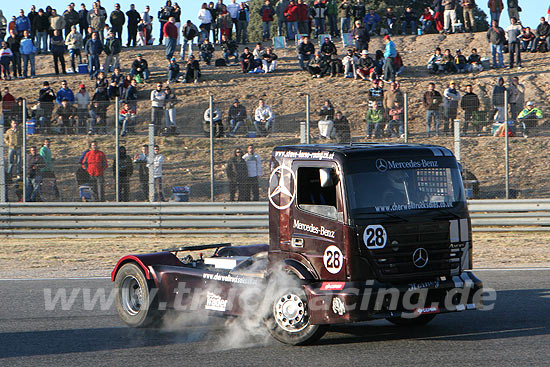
(215, 302)
(338, 306)
(426, 310)
(332, 286)
(230, 278)
(311, 228)
(375, 237)
(333, 259)
(320, 155)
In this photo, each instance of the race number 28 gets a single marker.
(333, 259)
(375, 237)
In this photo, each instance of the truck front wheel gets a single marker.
(416, 321)
(133, 299)
(289, 318)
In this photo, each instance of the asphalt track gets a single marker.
(516, 332)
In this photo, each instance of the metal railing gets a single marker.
(128, 219)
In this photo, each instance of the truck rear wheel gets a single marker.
(133, 299)
(289, 318)
(416, 321)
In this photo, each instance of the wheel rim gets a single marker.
(132, 295)
(290, 312)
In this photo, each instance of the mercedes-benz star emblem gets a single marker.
(381, 165)
(420, 257)
(282, 185)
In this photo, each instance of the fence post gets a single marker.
(406, 116)
(117, 145)
(506, 147)
(456, 127)
(211, 109)
(3, 190)
(24, 149)
(308, 126)
(150, 160)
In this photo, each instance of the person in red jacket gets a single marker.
(95, 163)
(303, 17)
(171, 34)
(291, 14)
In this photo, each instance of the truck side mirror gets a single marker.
(325, 176)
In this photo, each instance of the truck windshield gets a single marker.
(375, 191)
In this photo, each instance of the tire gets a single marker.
(416, 321)
(288, 318)
(133, 300)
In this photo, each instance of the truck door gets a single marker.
(316, 219)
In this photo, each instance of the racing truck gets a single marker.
(357, 232)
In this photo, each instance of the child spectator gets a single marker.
(435, 62)
(5, 59)
(395, 125)
(527, 39)
(375, 117)
(173, 71)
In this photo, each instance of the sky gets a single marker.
(530, 15)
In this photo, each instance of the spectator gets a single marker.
(543, 35)
(319, 9)
(164, 15)
(173, 71)
(171, 33)
(496, 38)
(395, 125)
(390, 23)
(95, 163)
(451, 98)
(269, 60)
(529, 117)
(125, 171)
(141, 160)
(101, 81)
(432, 100)
(350, 62)
(365, 66)
(328, 48)
(22, 23)
(96, 19)
(358, 11)
(495, 9)
(474, 61)
(242, 23)
(113, 90)
(516, 95)
(94, 48)
(42, 26)
(225, 22)
(71, 18)
(461, 63)
(133, 20)
(3, 26)
(318, 67)
(393, 95)
(306, 51)
(341, 125)
(427, 20)
(148, 25)
(83, 19)
(229, 48)
(13, 139)
(345, 10)
(513, 9)
(282, 27)
(336, 66)
(326, 123)
(376, 93)
(193, 71)
(74, 44)
(131, 95)
(112, 49)
(47, 170)
(374, 119)
(15, 44)
(156, 165)
(157, 107)
(360, 36)
(127, 117)
(82, 99)
(497, 98)
(408, 20)
(236, 117)
(303, 13)
(170, 101)
(98, 111)
(28, 52)
(237, 174)
(47, 97)
(207, 50)
(291, 16)
(140, 68)
(449, 15)
(263, 118)
(233, 10)
(390, 54)
(39, 115)
(35, 164)
(205, 16)
(65, 115)
(468, 7)
(448, 62)
(247, 61)
(327, 111)
(64, 93)
(217, 123)
(6, 57)
(57, 22)
(117, 20)
(438, 15)
(32, 16)
(527, 39)
(258, 54)
(267, 13)
(371, 21)
(470, 104)
(254, 166)
(513, 34)
(189, 32)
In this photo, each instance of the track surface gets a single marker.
(516, 332)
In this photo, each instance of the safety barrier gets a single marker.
(127, 219)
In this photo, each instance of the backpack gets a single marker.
(220, 62)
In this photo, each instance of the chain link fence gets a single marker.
(201, 167)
